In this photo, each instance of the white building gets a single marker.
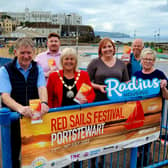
(73, 19)
(59, 18)
(46, 16)
(37, 16)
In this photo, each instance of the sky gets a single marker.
(140, 17)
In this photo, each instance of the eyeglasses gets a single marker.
(148, 59)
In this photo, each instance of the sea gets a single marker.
(144, 38)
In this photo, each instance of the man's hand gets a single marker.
(52, 69)
(43, 97)
(12, 104)
(26, 111)
(44, 108)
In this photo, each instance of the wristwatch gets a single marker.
(44, 102)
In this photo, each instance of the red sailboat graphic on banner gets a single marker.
(136, 119)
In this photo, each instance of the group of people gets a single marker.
(56, 84)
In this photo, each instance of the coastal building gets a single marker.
(44, 28)
(7, 25)
(38, 24)
(73, 19)
(45, 16)
(37, 16)
(38, 31)
(38, 38)
(59, 18)
(83, 32)
(24, 32)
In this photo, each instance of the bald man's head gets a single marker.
(137, 47)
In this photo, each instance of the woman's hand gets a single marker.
(163, 83)
(102, 88)
(83, 100)
(99, 87)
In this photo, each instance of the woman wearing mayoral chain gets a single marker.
(64, 84)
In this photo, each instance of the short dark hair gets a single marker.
(53, 35)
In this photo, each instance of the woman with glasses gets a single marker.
(148, 58)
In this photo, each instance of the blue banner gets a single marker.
(136, 88)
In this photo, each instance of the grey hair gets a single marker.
(26, 42)
(146, 51)
(66, 52)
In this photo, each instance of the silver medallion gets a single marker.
(70, 94)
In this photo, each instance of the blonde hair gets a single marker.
(146, 51)
(67, 52)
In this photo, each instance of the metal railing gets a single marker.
(157, 154)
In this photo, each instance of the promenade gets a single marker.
(84, 60)
(118, 157)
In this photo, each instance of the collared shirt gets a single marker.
(5, 85)
(136, 65)
(43, 58)
(25, 73)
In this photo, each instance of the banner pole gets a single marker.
(5, 140)
(133, 161)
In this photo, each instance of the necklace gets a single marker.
(70, 93)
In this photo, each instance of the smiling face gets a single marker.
(53, 44)
(69, 63)
(148, 62)
(106, 46)
(24, 55)
(137, 47)
(107, 50)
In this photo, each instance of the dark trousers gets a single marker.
(100, 162)
(15, 143)
(143, 153)
(76, 165)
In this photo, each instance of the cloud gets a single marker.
(162, 8)
(90, 11)
(126, 16)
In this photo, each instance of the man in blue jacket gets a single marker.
(135, 63)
